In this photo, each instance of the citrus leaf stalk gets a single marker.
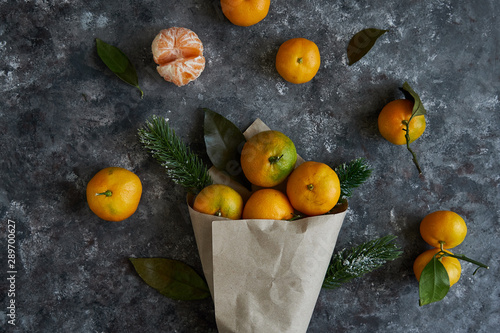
(418, 110)
(434, 282)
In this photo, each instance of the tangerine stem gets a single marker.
(275, 159)
(310, 187)
(407, 137)
(295, 217)
(299, 60)
(441, 244)
(142, 92)
(107, 193)
(463, 257)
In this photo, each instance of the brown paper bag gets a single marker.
(264, 275)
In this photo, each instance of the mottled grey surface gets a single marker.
(64, 116)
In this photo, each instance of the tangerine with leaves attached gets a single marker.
(452, 265)
(394, 119)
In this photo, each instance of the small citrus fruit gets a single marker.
(313, 188)
(219, 200)
(245, 12)
(267, 158)
(268, 203)
(392, 118)
(452, 265)
(445, 227)
(179, 55)
(114, 193)
(298, 60)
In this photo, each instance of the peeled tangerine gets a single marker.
(179, 55)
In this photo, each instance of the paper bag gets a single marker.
(264, 275)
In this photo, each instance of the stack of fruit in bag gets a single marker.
(283, 191)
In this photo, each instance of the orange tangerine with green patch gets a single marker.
(268, 158)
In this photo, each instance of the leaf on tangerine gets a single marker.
(434, 282)
(418, 107)
(361, 43)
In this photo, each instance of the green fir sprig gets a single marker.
(352, 175)
(351, 263)
(182, 166)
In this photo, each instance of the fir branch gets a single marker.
(348, 264)
(352, 175)
(182, 166)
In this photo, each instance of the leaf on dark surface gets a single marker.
(434, 282)
(224, 141)
(361, 43)
(118, 63)
(172, 278)
(418, 107)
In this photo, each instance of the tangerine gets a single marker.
(179, 55)
(313, 188)
(298, 60)
(267, 158)
(443, 227)
(269, 204)
(392, 119)
(219, 200)
(245, 12)
(452, 265)
(114, 193)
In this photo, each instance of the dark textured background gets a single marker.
(64, 116)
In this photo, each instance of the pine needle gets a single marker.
(352, 175)
(182, 166)
(348, 264)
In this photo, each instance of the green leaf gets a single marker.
(418, 107)
(172, 278)
(434, 282)
(118, 63)
(361, 43)
(224, 142)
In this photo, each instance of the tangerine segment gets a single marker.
(245, 12)
(452, 265)
(391, 122)
(268, 204)
(445, 227)
(298, 60)
(267, 158)
(114, 193)
(179, 55)
(182, 71)
(313, 188)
